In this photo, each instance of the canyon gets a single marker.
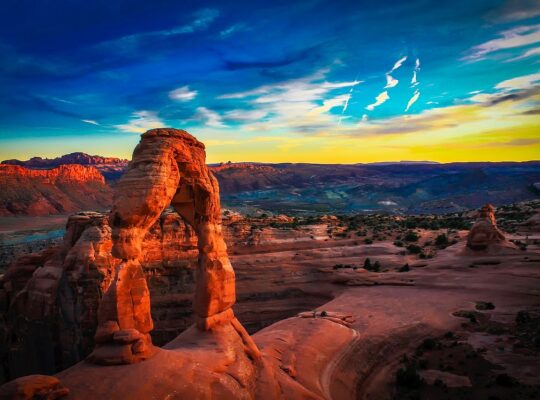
(324, 307)
(304, 189)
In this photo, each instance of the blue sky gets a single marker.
(319, 81)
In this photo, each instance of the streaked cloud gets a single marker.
(232, 30)
(90, 121)
(201, 20)
(512, 38)
(398, 64)
(412, 100)
(515, 10)
(182, 94)
(245, 115)
(519, 83)
(141, 121)
(414, 79)
(390, 81)
(208, 117)
(380, 99)
(529, 53)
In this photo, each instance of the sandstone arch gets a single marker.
(168, 168)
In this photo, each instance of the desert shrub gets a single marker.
(429, 344)
(484, 305)
(398, 243)
(414, 249)
(368, 241)
(408, 376)
(441, 240)
(367, 264)
(404, 268)
(411, 236)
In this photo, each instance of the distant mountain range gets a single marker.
(404, 187)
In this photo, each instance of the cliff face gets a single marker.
(64, 189)
(50, 299)
(111, 167)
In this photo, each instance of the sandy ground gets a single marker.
(394, 312)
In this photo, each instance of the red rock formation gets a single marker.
(67, 188)
(85, 270)
(168, 168)
(485, 233)
(33, 387)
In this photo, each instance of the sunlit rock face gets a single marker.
(64, 189)
(50, 299)
(485, 233)
(168, 168)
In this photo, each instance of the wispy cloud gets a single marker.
(208, 117)
(182, 94)
(380, 99)
(519, 83)
(390, 81)
(141, 121)
(414, 80)
(529, 53)
(412, 100)
(58, 99)
(232, 30)
(201, 20)
(515, 10)
(90, 121)
(245, 115)
(398, 64)
(512, 38)
(300, 105)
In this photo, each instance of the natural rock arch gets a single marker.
(168, 168)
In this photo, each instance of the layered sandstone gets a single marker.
(168, 168)
(50, 299)
(110, 167)
(64, 189)
(484, 234)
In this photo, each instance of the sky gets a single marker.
(281, 81)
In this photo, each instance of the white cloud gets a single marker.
(529, 53)
(412, 100)
(398, 64)
(414, 81)
(300, 105)
(182, 94)
(390, 81)
(245, 115)
(380, 99)
(481, 97)
(519, 83)
(309, 88)
(90, 121)
(141, 121)
(208, 117)
(364, 118)
(513, 38)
